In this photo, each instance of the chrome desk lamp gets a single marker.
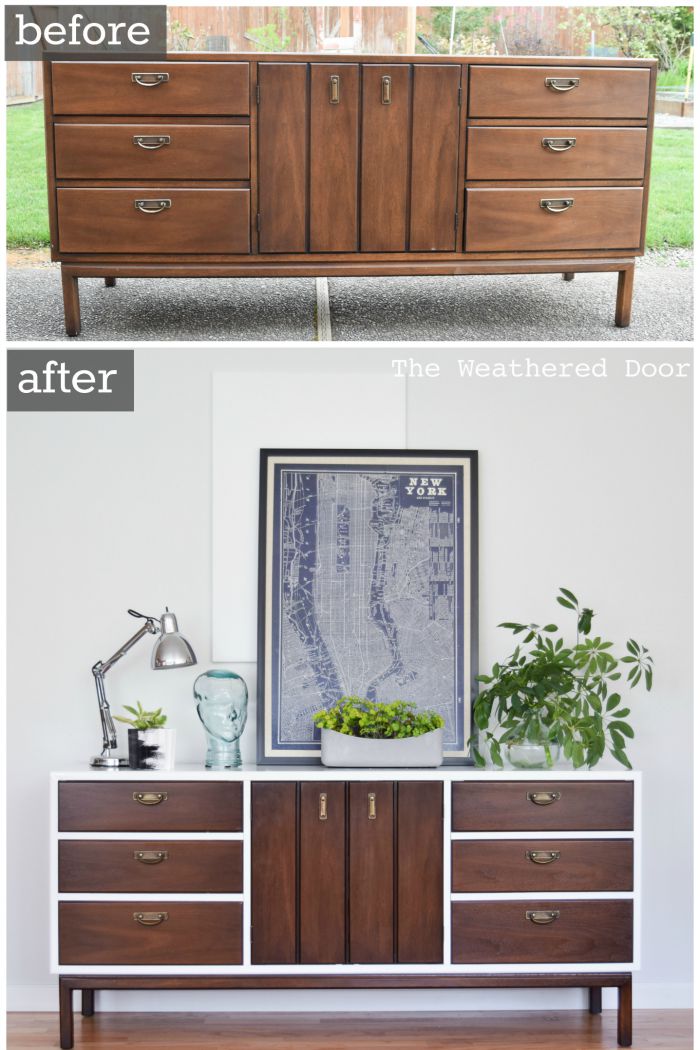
(170, 650)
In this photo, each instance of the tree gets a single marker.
(469, 21)
(641, 32)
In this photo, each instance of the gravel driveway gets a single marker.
(533, 308)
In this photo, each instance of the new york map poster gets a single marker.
(367, 588)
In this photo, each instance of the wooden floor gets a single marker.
(531, 1030)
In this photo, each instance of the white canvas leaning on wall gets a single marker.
(300, 412)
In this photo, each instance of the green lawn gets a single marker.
(27, 218)
(670, 221)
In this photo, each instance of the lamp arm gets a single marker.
(109, 732)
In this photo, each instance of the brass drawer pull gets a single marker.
(557, 204)
(150, 79)
(150, 798)
(543, 798)
(150, 856)
(152, 207)
(323, 806)
(371, 806)
(562, 83)
(334, 89)
(151, 141)
(386, 91)
(543, 856)
(558, 145)
(542, 918)
(150, 918)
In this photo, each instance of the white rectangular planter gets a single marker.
(339, 749)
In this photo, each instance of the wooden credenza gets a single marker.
(311, 878)
(293, 165)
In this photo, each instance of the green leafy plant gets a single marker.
(143, 719)
(355, 716)
(552, 693)
(270, 37)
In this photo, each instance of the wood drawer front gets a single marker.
(193, 151)
(201, 88)
(146, 866)
(197, 221)
(543, 866)
(187, 806)
(521, 91)
(599, 805)
(592, 931)
(519, 153)
(505, 220)
(105, 933)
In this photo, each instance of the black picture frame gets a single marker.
(282, 466)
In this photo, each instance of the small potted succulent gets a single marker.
(151, 746)
(359, 732)
(551, 696)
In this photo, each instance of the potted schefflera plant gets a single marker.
(359, 732)
(151, 745)
(551, 696)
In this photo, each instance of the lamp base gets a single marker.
(107, 762)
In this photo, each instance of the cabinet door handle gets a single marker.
(150, 79)
(152, 207)
(150, 856)
(334, 89)
(557, 204)
(562, 83)
(543, 798)
(386, 91)
(323, 806)
(150, 798)
(559, 145)
(371, 806)
(150, 918)
(543, 856)
(151, 141)
(542, 918)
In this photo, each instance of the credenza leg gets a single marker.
(110, 282)
(88, 1002)
(568, 276)
(623, 308)
(71, 302)
(595, 1000)
(65, 1000)
(624, 1014)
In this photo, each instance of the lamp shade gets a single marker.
(171, 648)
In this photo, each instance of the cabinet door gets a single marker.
(435, 149)
(274, 875)
(322, 873)
(386, 111)
(282, 156)
(334, 150)
(371, 875)
(419, 864)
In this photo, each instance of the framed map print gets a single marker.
(367, 587)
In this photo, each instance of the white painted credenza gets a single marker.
(302, 877)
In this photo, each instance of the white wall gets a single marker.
(583, 483)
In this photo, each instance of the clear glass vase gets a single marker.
(222, 706)
(528, 754)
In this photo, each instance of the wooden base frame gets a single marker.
(595, 982)
(72, 272)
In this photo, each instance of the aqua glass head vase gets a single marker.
(222, 706)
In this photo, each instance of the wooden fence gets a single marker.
(24, 81)
(379, 30)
